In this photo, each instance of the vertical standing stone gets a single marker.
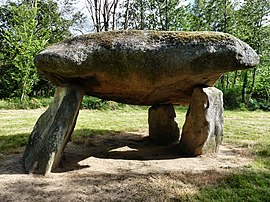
(52, 131)
(162, 126)
(203, 129)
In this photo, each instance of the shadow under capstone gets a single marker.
(114, 145)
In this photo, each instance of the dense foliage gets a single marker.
(26, 27)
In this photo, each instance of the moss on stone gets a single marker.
(107, 38)
(185, 37)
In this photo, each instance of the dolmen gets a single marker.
(154, 68)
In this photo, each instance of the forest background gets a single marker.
(28, 26)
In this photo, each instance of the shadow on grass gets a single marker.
(13, 143)
(11, 150)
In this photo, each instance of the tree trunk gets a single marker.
(115, 4)
(225, 16)
(142, 15)
(126, 15)
(52, 131)
(23, 92)
(166, 13)
(97, 11)
(227, 80)
(222, 82)
(253, 81)
(267, 94)
(106, 15)
(244, 87)
(234, 78)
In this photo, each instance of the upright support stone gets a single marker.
(162, 126)
(52, 131)
(203, 129)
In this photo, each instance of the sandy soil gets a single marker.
(119, 167)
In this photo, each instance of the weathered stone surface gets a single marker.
(52, 131)
(144, 67)
(203, 128)
(138, 67)
(162, 126)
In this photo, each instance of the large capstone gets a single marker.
(144, 67)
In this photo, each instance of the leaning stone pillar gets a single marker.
(52, 131)
(203, 129)
(163, 129)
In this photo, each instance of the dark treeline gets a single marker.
(27, 26)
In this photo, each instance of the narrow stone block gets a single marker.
(203, 129)
(163, 129)
(52, 131)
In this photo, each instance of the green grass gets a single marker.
(249, 130)
(245, 186)
(15, 127)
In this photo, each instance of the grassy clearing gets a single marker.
(245, 129)
(250, 130)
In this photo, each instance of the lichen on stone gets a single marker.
(107, 39)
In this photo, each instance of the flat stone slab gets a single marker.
(144, 67)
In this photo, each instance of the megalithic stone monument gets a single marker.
(158, 69)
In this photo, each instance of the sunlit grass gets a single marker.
(131, 119)
(251, 130)
(15, 128)
(245, 186)
(247, 127)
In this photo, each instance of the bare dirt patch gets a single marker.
(119, 167)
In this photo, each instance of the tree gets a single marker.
(165, 15)
(24, 43)
(198, 16)
(26, 27)
(126, 7)
(103, 14)
(154, 15)
(132, 14)
(220, 17)
(253, 28)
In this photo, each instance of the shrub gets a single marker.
(232, 98)
(29, 103)
(90, 102)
